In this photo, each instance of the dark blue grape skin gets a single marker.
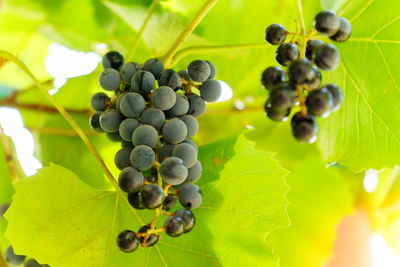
(304, 129)
(127, 127)
(127, 241)
(337, 95)
(194, 173)
(135, 200)
(174, 226)
(326, 57)
(132, 105)
(174, 131)
(145, 135)
(272, 76)
(142, 157)
(94, 122)
(184, 75)
(128, 70)
(130, 180)
(154, 117)
(287, 53)
(151, 240)
(282, 98)
(213, 70)
(112, 59)
(164, 98)
(344, 31)
(192, 125)
(110, 79)
(188, 219)
(188, 141)
(127, 144)
(110, 120)
(327, 22)
(99, 101)
(276, 115)
(275, 34)
(173, 171)
(170, 78)
(155, 66)
(319, 102)
(190, 196)
(170, 202)
(114, 137)
(152, 196)
(197, 106)
(210, 90)
(143, 82)
(187, 153)
(315, 81)
(300, 71)
(199, 70)
(311, 46)
(165, 151)
(180, 108)
(122, 158)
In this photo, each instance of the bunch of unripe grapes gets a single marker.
(154, 115)
(10, 257)
(300, 83)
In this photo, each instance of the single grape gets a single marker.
(127, 127)
(337, 95)
(199, 70)
(272, 76)
(180, 107)
(188, 219)
(190, 196)
(128, 70)
(327, 22)
(110, 79)
(99, 101)
(311, 46)
(210, 90)
(145, 135)
(315, 81)
(143, 82)
(174, 131)
(327, 57)
(154, 117)
(170, 202)
(151, 240)
(94, 122)
(287, 53)
(3, 209)
(12, 258)
(213, 70)
(192, 125)
(118, 102)
(130, 180)
(275, 34)
(194, 173)
(282, 98)
(276, 115)
(135, 200)
(110, 120)
(305, 129)
(114, 137)
(132, 105)
(188, 141)
(127, 241)
(152, 196)
(174, 226)
(301, 71)
(122, 158)
(165, 151)
(170, 78)
(164, 98)
(344, 31)
(187, 153)
(197, 106)
(184, 75)
(142, 157)
(112, 59)
(155, 66)
(173, 171)
(319, 102)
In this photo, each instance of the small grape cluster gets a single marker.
(154, 114)
(10, 257)
(301, 83)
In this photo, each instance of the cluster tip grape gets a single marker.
(298, 81)
(153, 113)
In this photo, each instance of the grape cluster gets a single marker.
(300, 83)
(154, 115)
(10, 257)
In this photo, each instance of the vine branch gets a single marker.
(300, 14)
(8, 153)
(187, 31)
(135, 43)
(64, 113)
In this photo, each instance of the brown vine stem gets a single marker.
(8, 153)
(213, 48)
(187, 31)
(64, 113)
(135, 43)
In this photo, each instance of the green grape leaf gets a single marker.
(319, 199)
(244, 200)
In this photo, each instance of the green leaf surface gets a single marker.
(244, 200)
(320, 197)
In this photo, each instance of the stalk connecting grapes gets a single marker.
(154, 115)
(300, 84)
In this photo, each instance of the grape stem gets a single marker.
(2, 261)
(64, 113)
(167, 58)
(135, 43)
(300, 14)
(10, 159)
